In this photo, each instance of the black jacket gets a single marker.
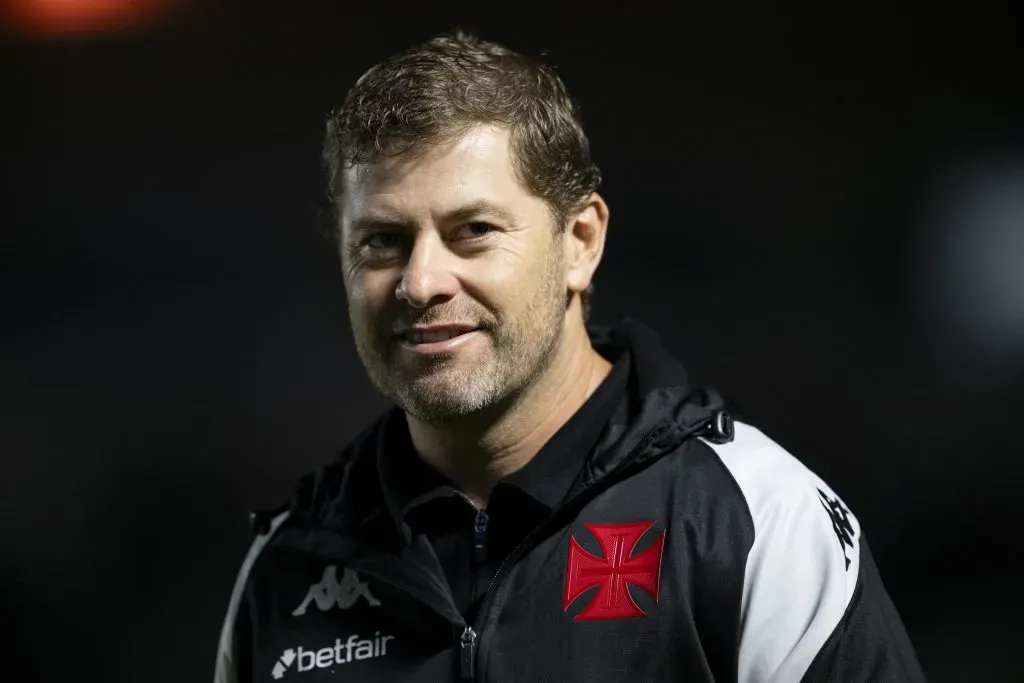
(693, 549)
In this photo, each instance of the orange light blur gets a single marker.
(77, 18)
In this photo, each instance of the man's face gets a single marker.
(454, 276)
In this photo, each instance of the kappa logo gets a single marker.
(840, 517)
(353, 649)
(614, 572)
(330, 592)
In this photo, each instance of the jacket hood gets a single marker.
(662, 410)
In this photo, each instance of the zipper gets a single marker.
(480, 536)
(467, 653)
(467, 641)
(468, 646)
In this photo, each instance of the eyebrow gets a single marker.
(480, 207)
(475, 209)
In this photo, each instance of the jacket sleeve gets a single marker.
(813, 607)
(234, 655)
(869, 643)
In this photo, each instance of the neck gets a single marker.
(477, 451)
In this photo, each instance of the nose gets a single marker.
(428, 278)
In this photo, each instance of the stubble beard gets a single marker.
(447, 388)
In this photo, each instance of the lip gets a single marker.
(464, 334)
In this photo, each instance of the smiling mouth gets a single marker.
(434, 335)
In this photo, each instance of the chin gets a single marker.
(435, 412)
(437, 400)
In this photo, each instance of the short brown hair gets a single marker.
(435, 91)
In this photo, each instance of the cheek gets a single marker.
(368, 293)
(514, 283)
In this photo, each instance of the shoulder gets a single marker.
(231, 655)
(344, 486)
(782, 494)
(760, 466)
(803, 567)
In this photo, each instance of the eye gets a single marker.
(474, 230)
(382, 240)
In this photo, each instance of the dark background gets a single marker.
(821, 211)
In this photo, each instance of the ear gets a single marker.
(584, 244)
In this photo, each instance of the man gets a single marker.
(544, 502)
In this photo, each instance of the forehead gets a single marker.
(476, 166)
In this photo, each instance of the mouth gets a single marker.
(437, 339)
